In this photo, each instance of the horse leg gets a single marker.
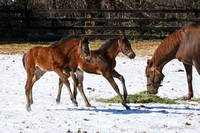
(30, 74)
(188, 69)
(80, 87)
(197, 66)
(59, 91)
(66, 82)
(73, 76)
(79, 74)
(37, 75)
(110, 79)
(61, 84)
(121, 78)
(27, 92)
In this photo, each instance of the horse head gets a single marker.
(125, 47)
(154, 78)
(85, 49)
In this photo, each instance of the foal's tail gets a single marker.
(23, 60)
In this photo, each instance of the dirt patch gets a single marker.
(143, 48)
(13, 50)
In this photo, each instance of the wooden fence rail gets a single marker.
(39, 25)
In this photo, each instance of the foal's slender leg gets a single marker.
(59, 91)
(110, 79)
(73, 76)
(27, 91)
(121, 78)
(79, 74)
(66, 82)
(37, 75)
(80, 87)
(61, 85)
(30, 73)
(188, 69)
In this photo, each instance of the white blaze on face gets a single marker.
(89, 48)
(118, 43)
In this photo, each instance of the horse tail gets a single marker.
(23, 60)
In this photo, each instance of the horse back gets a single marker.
(46, 58)
(189, 49)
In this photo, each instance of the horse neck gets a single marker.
(68, 46)
(165, 53)
(111, 50)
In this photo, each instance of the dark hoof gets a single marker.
(75, 103)
(58, 101)
(90, 106)
(189, 98)
(128, 108)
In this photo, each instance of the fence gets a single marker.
(49, 25)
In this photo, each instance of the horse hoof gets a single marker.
(90, 106)
(189, 98)
(58, 101)
(75, 103)
(28, 108)
(128, 108)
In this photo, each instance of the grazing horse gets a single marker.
(183, 45)
(103, 63)
(38, 60)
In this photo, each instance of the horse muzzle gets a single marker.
(132, 56)
(155, 91)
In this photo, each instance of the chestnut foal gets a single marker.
(103, 63)
(38, 60)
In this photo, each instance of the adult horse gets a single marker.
(38, 60)
(183, 45)
(103, 63)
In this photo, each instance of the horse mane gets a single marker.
(64, 39)
(170, 43)
(54, 43)
(69, 38)
(190, 25)
(108, 42)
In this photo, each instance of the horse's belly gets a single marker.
(90, 70)
(44, 68)
(185, 59)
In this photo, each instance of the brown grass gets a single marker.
(140, 47)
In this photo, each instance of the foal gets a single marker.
(38, 60)
(103, 63)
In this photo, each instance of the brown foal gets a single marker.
(38, 60)
(103, 63)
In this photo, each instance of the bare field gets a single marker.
(140, 47)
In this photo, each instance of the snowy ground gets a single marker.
(47, 116)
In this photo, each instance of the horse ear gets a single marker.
(149, 63)
(123, 37)
(83, 38)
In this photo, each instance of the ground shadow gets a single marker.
(135, 110)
